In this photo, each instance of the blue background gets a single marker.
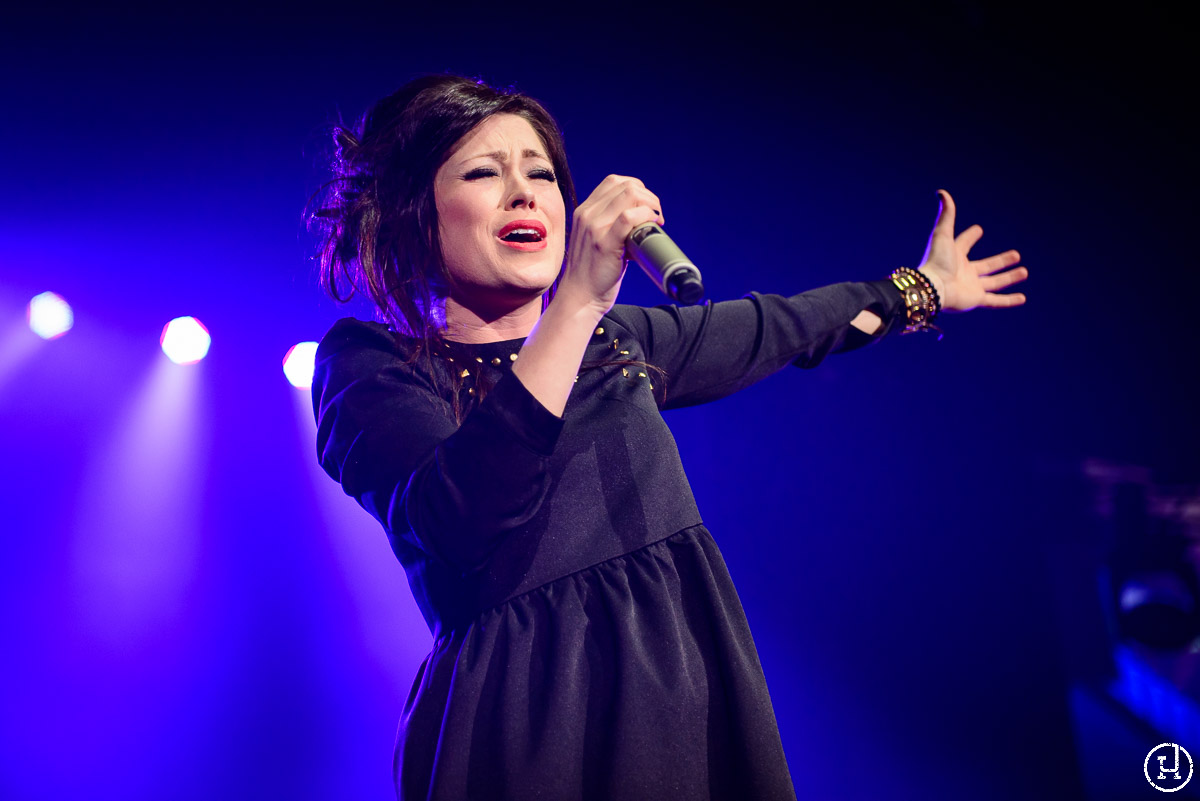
(191, 609)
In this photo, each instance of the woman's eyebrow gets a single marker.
(502, 157)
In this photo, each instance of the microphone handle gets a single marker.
(664, 262)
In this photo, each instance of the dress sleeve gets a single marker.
(391, 441)
(715, 349)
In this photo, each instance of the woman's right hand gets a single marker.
(596, 252)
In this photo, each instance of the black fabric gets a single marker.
(588, 640)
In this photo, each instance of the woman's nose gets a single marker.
(520, 193)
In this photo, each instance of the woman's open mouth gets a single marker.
(523, 235)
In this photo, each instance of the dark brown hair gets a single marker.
(378, 215)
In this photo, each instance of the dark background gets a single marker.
(191, 610)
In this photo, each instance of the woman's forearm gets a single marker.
(549, 360)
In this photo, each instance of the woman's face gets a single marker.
(501, 217)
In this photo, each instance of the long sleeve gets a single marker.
(713, 350)
(392, 442)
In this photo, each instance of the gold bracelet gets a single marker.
(920, 300)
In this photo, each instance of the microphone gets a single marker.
(664, 262)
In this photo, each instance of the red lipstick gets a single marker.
(523, 235)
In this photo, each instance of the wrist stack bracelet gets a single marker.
(920, 299)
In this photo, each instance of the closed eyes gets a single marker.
(537, 173)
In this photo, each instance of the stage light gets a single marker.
(50, 316)
(298, 364)
(185, 340)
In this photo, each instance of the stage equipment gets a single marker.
(49, 315)
(185, 340)
(298, 364)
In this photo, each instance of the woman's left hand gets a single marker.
(964, 284)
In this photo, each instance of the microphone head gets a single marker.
(684, 286)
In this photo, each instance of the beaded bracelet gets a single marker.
(920, 299)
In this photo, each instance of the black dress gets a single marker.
(588, 640)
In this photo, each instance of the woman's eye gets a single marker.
(539, 173)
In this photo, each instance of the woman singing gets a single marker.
(504, 425)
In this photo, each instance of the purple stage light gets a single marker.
(298, 364)
(49, 315)
(185, 340)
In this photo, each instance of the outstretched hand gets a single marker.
(964, 284)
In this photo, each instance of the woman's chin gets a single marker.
(532, 284)
(491, 302)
